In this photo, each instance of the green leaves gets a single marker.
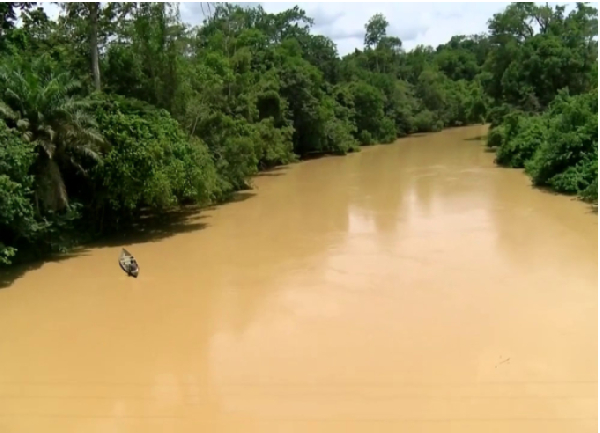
(19, 222)
(558, 149)
(375, 30)
(42, 105)
(530, 66)
(567, 159)
(151, 161)
(188, 115)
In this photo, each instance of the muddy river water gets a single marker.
(413, 287)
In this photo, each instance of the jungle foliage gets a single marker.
(117, 108)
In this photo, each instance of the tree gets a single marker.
(527, 67)
(186, 115)
(92, 23)
(45, 109)
(8, 17)
(17, 213)
(375, 29)
(8, 14)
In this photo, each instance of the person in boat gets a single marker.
(133, 266)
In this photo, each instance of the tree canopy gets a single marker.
(115, 108)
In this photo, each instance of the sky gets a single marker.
(414, 23)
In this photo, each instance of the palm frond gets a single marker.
(48, 147)
(69, 85)
(78, 166)
(88, 152)
(74, 104)
(23, 125)
(27, 136)
(7, 112)
(49, 113)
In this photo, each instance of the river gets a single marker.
(413, 287)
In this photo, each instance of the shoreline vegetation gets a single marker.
(116, 111)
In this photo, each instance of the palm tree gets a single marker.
(44, 107)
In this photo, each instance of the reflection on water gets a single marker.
(412, 287)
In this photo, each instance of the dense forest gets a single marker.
(115, 109)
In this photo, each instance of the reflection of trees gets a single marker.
(393, 184)
(378, 187)
(446, 171)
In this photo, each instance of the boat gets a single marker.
(128, 263)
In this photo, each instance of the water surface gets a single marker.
(413, 287)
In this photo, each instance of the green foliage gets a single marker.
(529, 74)
(401, 106)
(523, 136)
(496, 136)
(365, 138)
(151, 162)
(375, 30)
(313, 113)
(274, 145)
(526, 66)
(426, 121)
(459, 59)
(45, 108)
(567, 160)
(368, 103)
(17, 213)
(117, 107)
(387, 130)
(559, 148)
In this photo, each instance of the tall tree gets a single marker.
(92, 22)
(92, 8)
(376, 29)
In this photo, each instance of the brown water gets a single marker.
(409, 288)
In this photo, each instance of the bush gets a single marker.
(24, 227)
(496, 136)
(337, 128)
(567, 160)
(151, 162)
(17, 212)
(275, 145)
(365, 138)
(369, 114)
(495, 115)
(387, 130)
(525, 138)
(425, 121)
(236, 148)
(558, 149)
(339, 139)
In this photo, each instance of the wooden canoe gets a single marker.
(128, 264)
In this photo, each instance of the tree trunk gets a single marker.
(94, 44)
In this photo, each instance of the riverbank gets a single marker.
(558, 148)
(152, 226)
(77, 226)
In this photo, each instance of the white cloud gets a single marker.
(413, 23)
